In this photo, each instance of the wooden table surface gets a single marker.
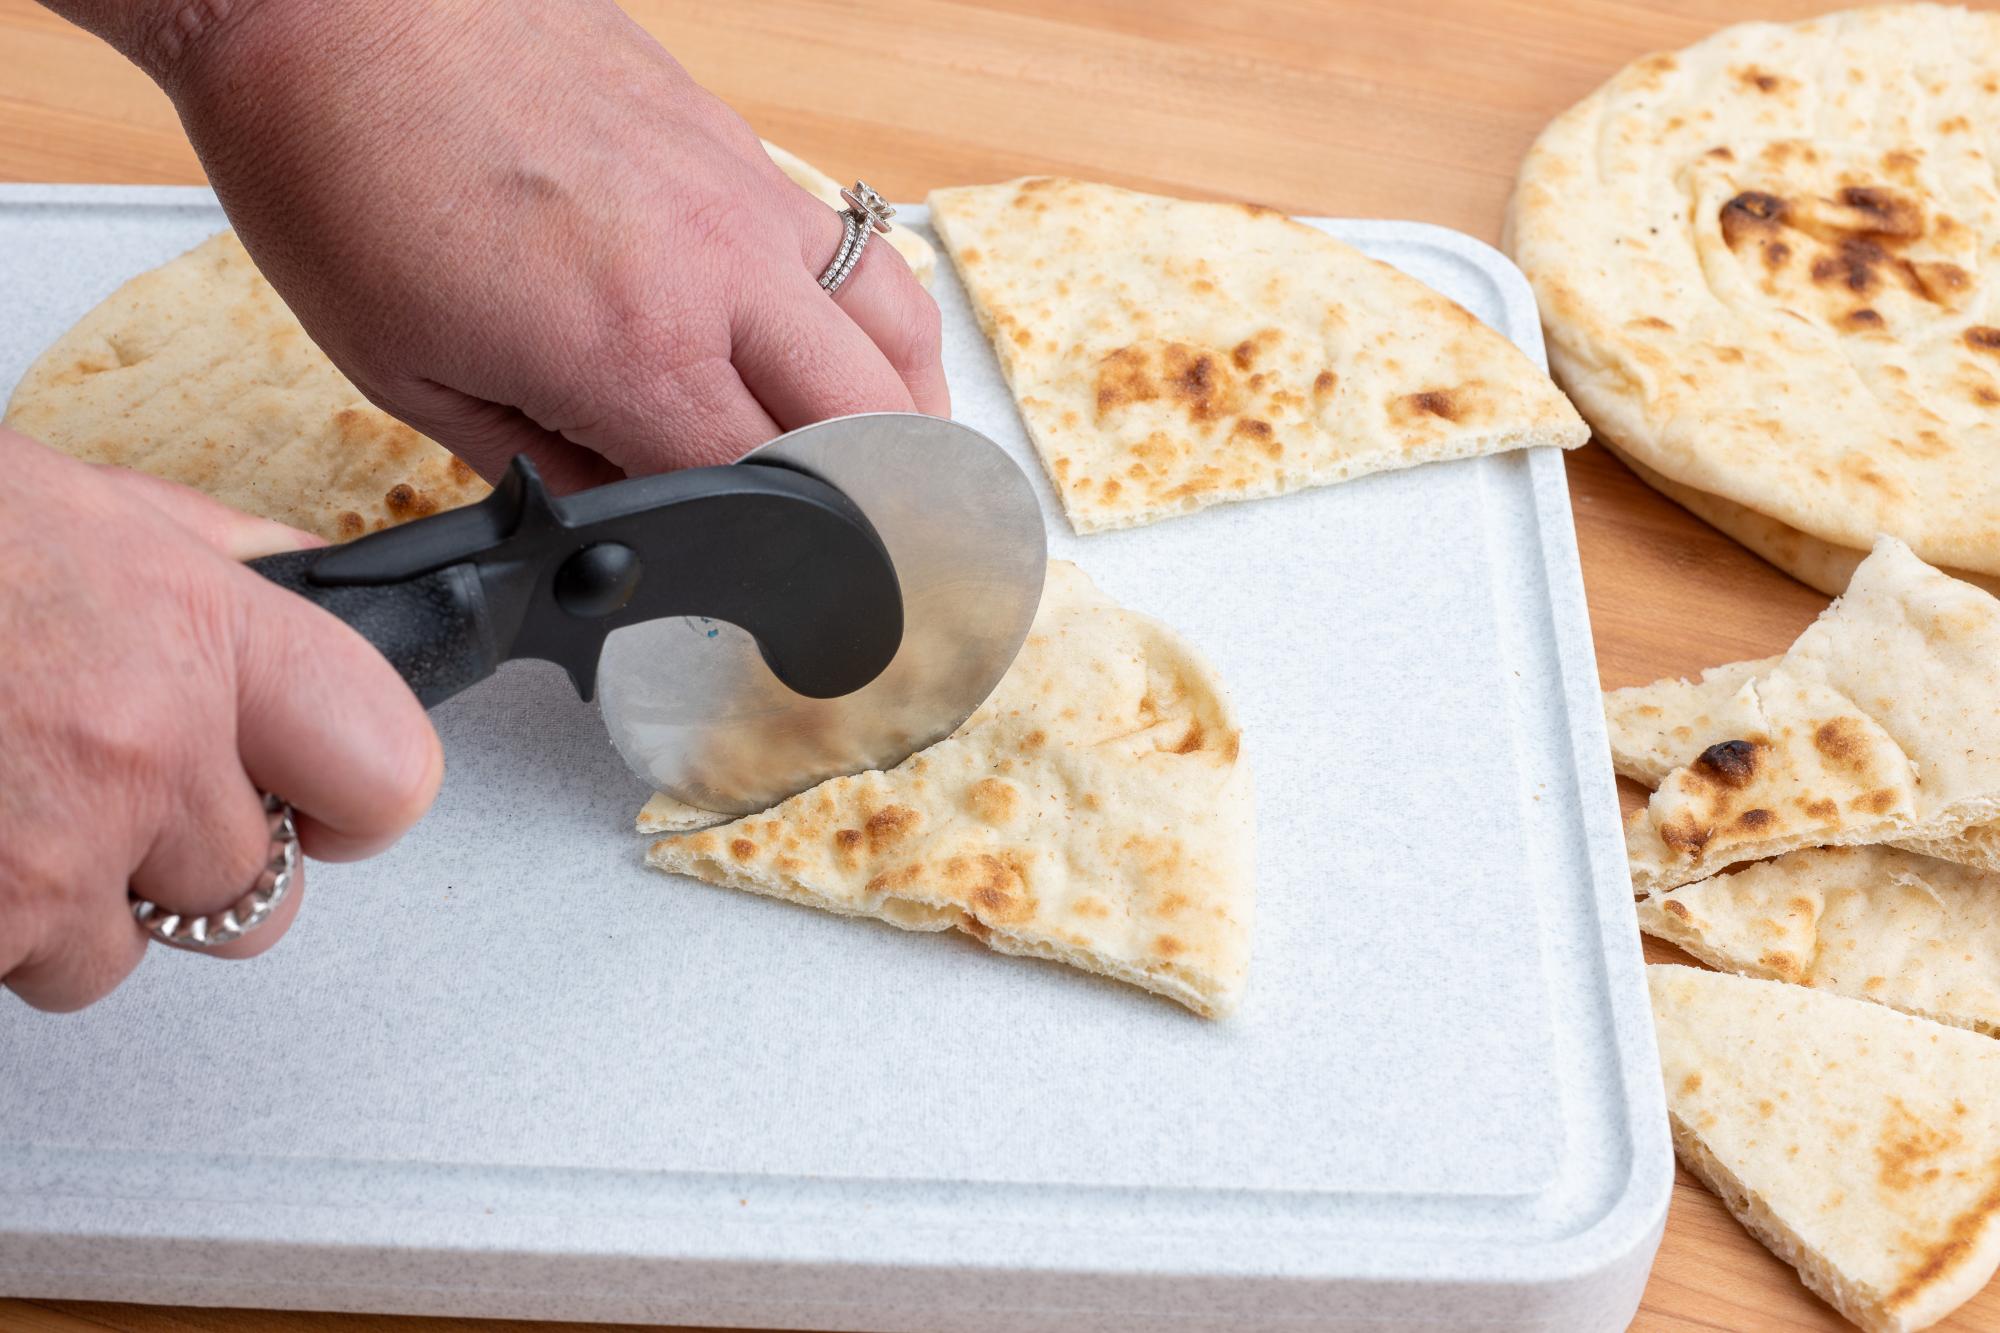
(1362, 108)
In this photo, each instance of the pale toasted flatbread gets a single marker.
(1880, 724)
(1862, 1146)
(1815, 563)
(197, 372)
(1660, 727)
(1657, 728)
(1096, 811)
(663, 814)
(1168, 354)
(1874, 923)
(916, 251)
(1765, 268)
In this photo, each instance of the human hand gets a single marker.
(152, 686)
(524, 228)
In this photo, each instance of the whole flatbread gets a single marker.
(1815, 563)
(1874, 923)
(1880, 724)
(1862, 1146)
(1168, 354)
(197, 372)
(916, 251)
(1764, 266)
(1095, 811)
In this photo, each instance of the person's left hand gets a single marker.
(523, 227)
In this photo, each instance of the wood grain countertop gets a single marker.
(1359, 108)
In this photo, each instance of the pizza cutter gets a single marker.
(832, 602)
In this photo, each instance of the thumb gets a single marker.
(238, 535)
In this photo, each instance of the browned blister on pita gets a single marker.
(1880, 724)
(197, 372)
(1168, 354)
(1862, 1146)
(1095, 811)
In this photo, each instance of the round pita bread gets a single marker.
(1815, 563)
(1764, 263)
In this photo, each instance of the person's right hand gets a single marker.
(149, 686)
(523, 228)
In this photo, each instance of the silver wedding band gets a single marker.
(253, 909)
(866, 213)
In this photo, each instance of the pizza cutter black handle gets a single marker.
(522, 573)
(433, 628)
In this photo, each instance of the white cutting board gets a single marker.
(505, 1069)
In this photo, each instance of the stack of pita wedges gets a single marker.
(1823, 826)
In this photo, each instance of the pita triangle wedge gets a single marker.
(1663, 726)
(1880, 724)
(1875, 923)
(1860, 1145)
(1660, 727)
(1168, 354)
(1095, 811)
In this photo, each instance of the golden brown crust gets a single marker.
(1168, 355)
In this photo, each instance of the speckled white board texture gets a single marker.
(505, 1069)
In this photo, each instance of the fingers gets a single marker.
(238, 535)
(325, 722)
(212, 854)
(488, 436)
(699, 415)
(86, 958)
(274, 927)
(885, 301)
(805, 360)
(212, 844)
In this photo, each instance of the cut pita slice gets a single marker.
(197, 372)
(1879, 725)
(663, 814)
(1658, 728)
(1666, 725)
(1860, 1145)
(1095, 811)
(1168, 354)
(915, 250)
(1874, 923)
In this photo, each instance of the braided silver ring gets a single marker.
(250, 911)
(866, 213)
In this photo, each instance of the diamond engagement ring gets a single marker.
(250, 911)
(866, 213)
